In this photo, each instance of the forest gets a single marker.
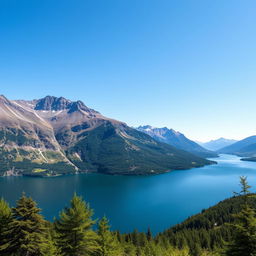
(228, 229)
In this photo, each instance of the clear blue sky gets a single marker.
(187, 65)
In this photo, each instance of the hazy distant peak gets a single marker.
(245, 147)
(218, 143)
(222, 139)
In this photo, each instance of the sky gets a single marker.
(189, 65)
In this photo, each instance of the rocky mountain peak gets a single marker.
(50, 103)
(76, 106)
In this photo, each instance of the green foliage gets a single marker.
(5, 222)
(27, 166)
(74, 229)
(244, 187)
(244, 242)
(17, 136)
(208, 230)
(27, 233)
(107, 241)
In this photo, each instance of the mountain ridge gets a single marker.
(245, 148)
(55, 136)
(176, 139)
(217, 144)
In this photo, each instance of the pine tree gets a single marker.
(245, 234)
(108, 244)
(244, 228)
(149, 235)
(244, 188)
(28, 233)
(5, 223)
(244, 185)
(75, 236)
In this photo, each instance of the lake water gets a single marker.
(131, 202)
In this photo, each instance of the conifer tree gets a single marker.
(5, 222)
(244, 188)
(28, 233)
(244, 228)
(149, 235)
(75, 236)
(245, 234)
(108, 244)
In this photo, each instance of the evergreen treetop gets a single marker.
(74, 229)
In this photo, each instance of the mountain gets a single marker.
(176, 139)
(215, 145)
(55, 136)
(244, 148)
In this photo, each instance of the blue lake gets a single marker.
(131, 202)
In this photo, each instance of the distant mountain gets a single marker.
(55, 136)
(176, 139)
(215, 145)
(244, 148)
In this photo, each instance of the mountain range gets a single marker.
(54, 136)
(245, 148)
(176, 139)
(215, 145)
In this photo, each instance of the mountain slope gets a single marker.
(245, 147)
(53, 136)
(110, 144)
(210, 229)
(176, 139)
(215, 145)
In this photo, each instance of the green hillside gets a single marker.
(108, 149)
(210, 229)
